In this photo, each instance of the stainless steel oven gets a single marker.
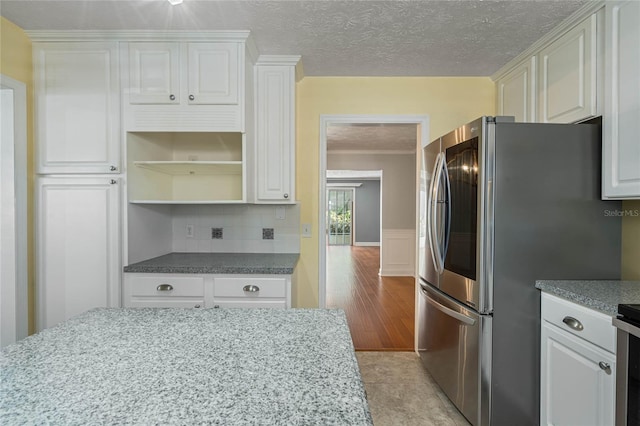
(628, 366)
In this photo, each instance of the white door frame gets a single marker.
(326, 120)
(13, 204)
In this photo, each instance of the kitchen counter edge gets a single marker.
(601, 295)
(218, 263)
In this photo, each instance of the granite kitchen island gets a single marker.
(186, 366)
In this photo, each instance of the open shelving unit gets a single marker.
(186, 168)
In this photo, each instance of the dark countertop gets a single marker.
(218, 263)
(602, 295)
(186, 366)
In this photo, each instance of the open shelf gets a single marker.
(186, 168)
(192, 167)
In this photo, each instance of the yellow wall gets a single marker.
(631, 240)
(447, 101)
(15, 62)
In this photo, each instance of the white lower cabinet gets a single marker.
(578, 365)
(206, 291)
(78, 246)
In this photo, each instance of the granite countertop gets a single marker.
(186, 366)
(603, 295)
(218, 263)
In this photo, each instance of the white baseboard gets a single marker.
(367, 243)
(398, 253)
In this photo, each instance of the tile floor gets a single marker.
(401, 392)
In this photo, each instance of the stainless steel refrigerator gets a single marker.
(503, 204)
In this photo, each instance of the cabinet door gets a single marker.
(621, 159)
(78, 247)
(214, 71)
(577, 381)
(154, 73)
(275, 133)
(77, 107)
(568, 75)
(517, 93)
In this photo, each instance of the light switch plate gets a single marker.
(306, 230)
(190, 231)
(280, 213)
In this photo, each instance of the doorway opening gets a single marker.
(373, 281)
(13, 205)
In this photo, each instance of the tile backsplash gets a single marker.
(242, 228)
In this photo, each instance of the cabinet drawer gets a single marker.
(586, 323)
(170, 286)
(250, 287)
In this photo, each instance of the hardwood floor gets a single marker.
(380, 310)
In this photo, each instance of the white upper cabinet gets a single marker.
(77, 107)
(569, 75)
(154, 73)
(178, 86)
(517, 92)
(621, 121)
(275, 129)
(214, 71)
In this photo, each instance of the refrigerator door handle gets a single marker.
(448, 209)
(437, 253)
(448, 311)
(431, 225)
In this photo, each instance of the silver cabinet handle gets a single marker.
(286, 195)
(191, 97)
(113, 168)
(172, 97)
(573, 323)
(164, 287)
(197, 306)
(605, 366)
(251, 288)
(216, 306)
(113, 181)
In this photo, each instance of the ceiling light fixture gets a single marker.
(175, 2)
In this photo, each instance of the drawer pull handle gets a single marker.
(573, 323)
(605, 366)
(164, 287)
(251, 288)
(197, 306)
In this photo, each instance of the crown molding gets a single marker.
(575, 18)
(283, 60)
(145, 35)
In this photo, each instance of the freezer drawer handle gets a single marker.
(457, 315)
(164, 287)
(573, 323)
(251, 288)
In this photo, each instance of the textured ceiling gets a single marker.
(372, 137)
(334, 37)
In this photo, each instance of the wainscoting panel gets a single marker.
(398, 252)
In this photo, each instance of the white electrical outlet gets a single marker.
(306, 230)
(280, 213)
(189, 231)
